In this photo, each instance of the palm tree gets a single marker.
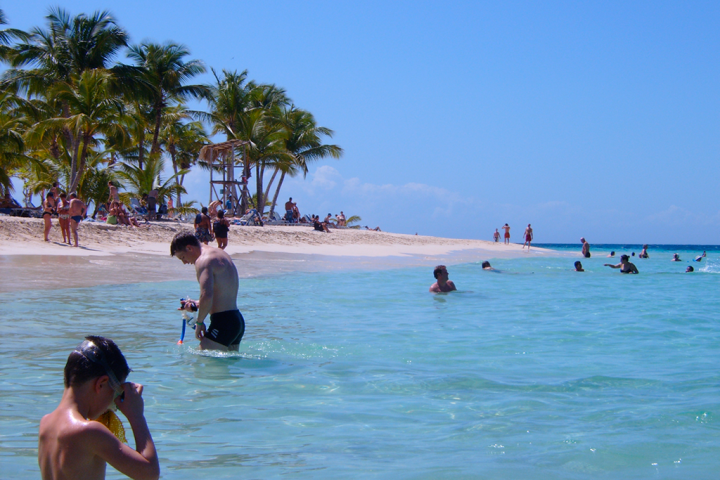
(183, 140)
(94, 112)
(303, 143)
(12, 143)
(139, 181)
(7, 35)
(164, 72)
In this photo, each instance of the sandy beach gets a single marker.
(23, 236)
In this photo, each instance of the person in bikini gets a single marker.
(77, 213)
(72, 441)
(63, 210)
(49, 207)
(644, 253)
(528, 237)
(218, 279)
(443, 283)
(220, 228)
(625, 266)
(203, 226)
(506, 227)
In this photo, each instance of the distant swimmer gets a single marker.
(612, 254)
(506, 227)
(676, 258)
(585, 248)
(496, 236)
(578, 267)
(443, 284)
(689, 269)
(644, 253)
(486, 266)
(528, 237)
(699, 259)
(218, 279)
(625, 266)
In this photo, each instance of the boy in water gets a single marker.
(73, 445)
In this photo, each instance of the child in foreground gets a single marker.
(72, 444)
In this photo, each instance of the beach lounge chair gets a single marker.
(251, 218)
(137, 208)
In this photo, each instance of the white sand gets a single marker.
(24, 236)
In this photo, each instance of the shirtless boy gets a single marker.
(506, 227)
(218, 279)
(77, 213)
(443, 284)
(71, 444)
(528, 237)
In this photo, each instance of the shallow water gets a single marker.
(536, 372)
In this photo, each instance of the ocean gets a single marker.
(535, 371)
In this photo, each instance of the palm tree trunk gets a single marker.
(258, 186)
(272, 179)
(158, 121)
(81, 166)
(277, 192)
(74, 163)
(141, 151)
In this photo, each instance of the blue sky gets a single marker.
(595, 119)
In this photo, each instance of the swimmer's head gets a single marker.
(221, 213)
(689, 269)
(486, 264)
(612, 253)
(439, 270)
(182, 240)
(93, 358)
(624, 257)
(578, 265)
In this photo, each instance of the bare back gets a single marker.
(63, 451)
(217, 270)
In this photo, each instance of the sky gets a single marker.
(594, 119)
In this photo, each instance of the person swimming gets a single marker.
(644, 253)
(699, 258)
(689, 269)
(625, 266)
(579, 267)
(612, 254)
(676, 258)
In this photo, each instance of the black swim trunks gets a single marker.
(226, 328)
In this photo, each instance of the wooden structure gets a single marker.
(221, 159)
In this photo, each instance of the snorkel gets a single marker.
(110, 419)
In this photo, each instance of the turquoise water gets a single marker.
(537, 372)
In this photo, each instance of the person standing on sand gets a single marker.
(496, 236)
(585, 248)
(507, 233)
(220, 229)
(218, 279)
(113, 197)
(64, 217)
(528, 237)
(49, 206)
(77, 213)
(203, 226)
(443, 284)
(289, 210)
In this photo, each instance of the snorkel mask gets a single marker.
(91, 351)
